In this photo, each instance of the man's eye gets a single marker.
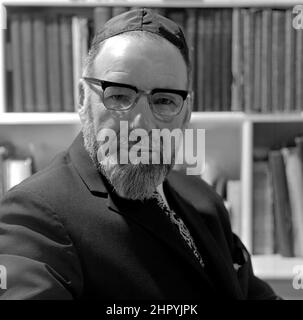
(164, 101)
(118, 97)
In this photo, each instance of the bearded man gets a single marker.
(89, 226)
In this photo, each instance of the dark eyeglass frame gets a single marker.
(105, 84)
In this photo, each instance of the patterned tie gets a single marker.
(178, 222)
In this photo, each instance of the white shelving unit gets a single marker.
(52, 132)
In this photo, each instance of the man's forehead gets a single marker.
(127, 56)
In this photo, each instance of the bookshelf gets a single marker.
(232, 134)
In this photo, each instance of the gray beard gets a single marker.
(135, 182)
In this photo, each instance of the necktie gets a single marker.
(179, 223)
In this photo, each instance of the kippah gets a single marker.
(143, 19)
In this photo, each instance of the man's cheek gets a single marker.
(107, 144)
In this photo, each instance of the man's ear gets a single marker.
(81, 100)
(81, 93)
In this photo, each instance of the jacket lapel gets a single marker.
(218, 256)
(150, 217)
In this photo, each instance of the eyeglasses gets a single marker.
(164, 103)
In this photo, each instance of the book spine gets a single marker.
(226, 48)
(40, 70)
(217, 54)
(263, 231)
(248, 59)
(8, 74)
(278, 62)
(237, 99)
(289, 63)
(208, 67)
(299, 71)
(53, 64)
(257, 62)
(266, 61)
(284, 241)
(294, 169)
(27, 62)
(67, 63)
(200, 61)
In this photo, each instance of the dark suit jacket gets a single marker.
(65, 234)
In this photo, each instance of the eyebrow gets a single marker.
(105, 84)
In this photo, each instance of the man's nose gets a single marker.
(142, 116)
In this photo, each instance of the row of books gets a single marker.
(278, 201)
(242, 59)
(267, 61)
(13, 168)
(44, 61)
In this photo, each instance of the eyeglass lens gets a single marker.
(120, 98)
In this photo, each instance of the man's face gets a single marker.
(145, 64)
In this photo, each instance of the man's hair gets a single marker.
(98, 43)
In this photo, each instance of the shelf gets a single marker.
(275, 266)
(276, 117)
(218, 116)
(158, 3)
(197, 117)
(14, 118)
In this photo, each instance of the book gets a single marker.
(27, 62)
(278, 61)
(290, 60)
(237, 64)
(40, 70)
(80, 38)
(208, 64)
(53, 64)
(293, 169)
(199, 96)
(226, 50)
(248, 47)
(263, 224)
(65, 26)
(233, 198)
(256, 103)
(299, 71)
(284, 241)
(17, 83)
(217, 54)
(266, 56)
